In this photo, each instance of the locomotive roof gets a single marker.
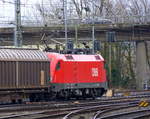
(78, 57)
(22, 55)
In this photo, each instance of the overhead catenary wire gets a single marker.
(45, 3)
(26, 10)
(27, 7)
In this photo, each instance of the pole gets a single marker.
(110, 64)
(93, 29)
(93, 38)
(65, 20)
(76, 35)
(17, 34)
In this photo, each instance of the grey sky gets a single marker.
(29, 12)
(7, 9)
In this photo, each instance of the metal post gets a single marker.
(17, 74)
(76, 35)
(110, 64)
(65, 20)
(93, 29)
(93, 38)
(17, 34)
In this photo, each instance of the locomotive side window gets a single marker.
(58, 66)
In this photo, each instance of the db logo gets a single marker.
(94, 72)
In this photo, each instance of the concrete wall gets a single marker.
(142, 67)
(148, 66)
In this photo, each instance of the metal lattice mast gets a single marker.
(93, 29)
(65, 20)
(17, 34)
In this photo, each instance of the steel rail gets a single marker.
(127, 114)
(95, 109)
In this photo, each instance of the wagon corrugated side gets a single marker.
(23, 69)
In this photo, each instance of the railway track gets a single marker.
(66, 104)
(88, 113)
(96, 112)
(60, 112)
(116, 111)
(127, 112)
(70, 109)
(65, 110)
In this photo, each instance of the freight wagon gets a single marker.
(25, 72)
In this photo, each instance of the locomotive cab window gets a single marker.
(58, 66)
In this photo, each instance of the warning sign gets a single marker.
(143, 104)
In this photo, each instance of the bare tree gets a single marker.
(50, 13)
(133, 10)
(79, 7)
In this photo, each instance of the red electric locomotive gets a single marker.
(77, 75)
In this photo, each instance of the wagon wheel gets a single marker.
(66, 95)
